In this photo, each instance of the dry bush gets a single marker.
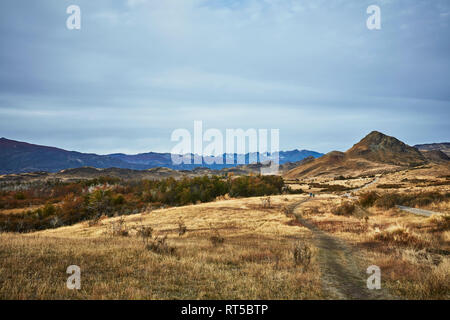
(388, 201)
(262, 256)
(314, 210)
(420, 199)
(216, 239)
(287, 211)
(159, 245)
(155, 244)
(302, 255)
(265, 202)
(368, 199)
(119, 228)
(182, 229)
(441, 222)
(145, 233)
(420, 257)
(433, 281)
(345, 209)
(342, 226)
(399, 235)
(437, 282)
(148, 209)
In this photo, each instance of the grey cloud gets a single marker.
(139, 69)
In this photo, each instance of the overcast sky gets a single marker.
(139, 69)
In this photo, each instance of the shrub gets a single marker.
(390, 200)
(289, 190)
(181, 228)
(160, 246)
(265, 202)
(345, 209)
(118, 228)
(118, 200)
(287, 211)
(368, 199)
(145, 232)
(302, 255)
(47, 211)
(216, 239)
(399, 235)
(20, 196)
(441, 222)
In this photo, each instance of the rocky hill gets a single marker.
(375, 153)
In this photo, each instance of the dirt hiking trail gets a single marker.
(341, 276)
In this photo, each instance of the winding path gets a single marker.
(348, 194)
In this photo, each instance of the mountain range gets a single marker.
(443, 147)
(375, 153)
(20, 157)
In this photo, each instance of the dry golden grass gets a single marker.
(412, 251)
(254, 262)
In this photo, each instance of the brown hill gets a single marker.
(375, 153)
(378, 147)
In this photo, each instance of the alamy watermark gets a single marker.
(73, 22)
(74, 280)
(374, 20)
(235, 147)
(374, 281)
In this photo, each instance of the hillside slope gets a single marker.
(375, 153)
